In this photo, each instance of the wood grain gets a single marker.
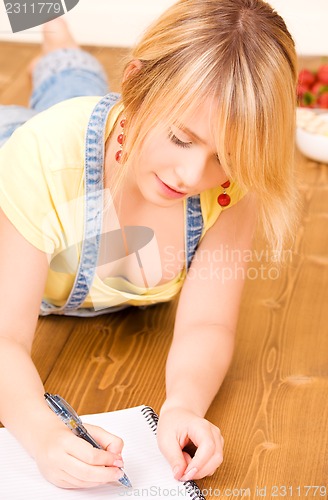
(272, 407)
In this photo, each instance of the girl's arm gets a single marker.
(203, 342)
(63, 458)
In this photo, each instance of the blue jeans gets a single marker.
(59, 75)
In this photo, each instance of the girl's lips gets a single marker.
(169, 191)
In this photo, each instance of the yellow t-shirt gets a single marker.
(41, 193)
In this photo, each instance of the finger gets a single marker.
(207, 463)
(95, 474)
(174, 455)
(208, 456)
(210, 467)
(86, 453)
(108, 441)
(68, 481)
(187, 457)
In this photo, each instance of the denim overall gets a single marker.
(93, 178)
(50, 81)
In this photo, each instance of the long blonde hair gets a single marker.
(239, 53)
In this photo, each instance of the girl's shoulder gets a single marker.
(54, 137)
(64, 112)
(41, 171)
(60, 130)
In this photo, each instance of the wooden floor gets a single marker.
(273, 406)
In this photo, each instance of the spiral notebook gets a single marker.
(144, 464)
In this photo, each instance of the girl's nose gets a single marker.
(191, 174)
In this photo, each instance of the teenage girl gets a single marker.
(122, 200)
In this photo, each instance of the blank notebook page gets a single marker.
(148, 471)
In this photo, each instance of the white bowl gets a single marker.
(313, 145)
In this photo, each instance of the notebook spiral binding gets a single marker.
(151, 417)
(191, 487)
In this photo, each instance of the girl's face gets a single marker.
(179, 162)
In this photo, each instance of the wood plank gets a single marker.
(15, 85)
(115, 360)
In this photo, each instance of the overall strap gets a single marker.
(93, 206)
(194, 226)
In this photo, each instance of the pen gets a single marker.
(69, 416)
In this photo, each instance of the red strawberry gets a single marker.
(317, 88)
(323, 74)
(301, 89)
(306, 77)
(323, 100)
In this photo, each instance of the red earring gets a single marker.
(223, 198)
(120, 140)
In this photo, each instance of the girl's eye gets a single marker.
(178, 142)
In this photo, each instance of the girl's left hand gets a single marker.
(178, 428)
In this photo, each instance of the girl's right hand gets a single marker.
(63, 458)
(68, 461)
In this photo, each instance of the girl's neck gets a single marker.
(122, 186)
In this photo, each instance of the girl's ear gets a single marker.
(133, 67)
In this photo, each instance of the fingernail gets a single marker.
(118, 463)
(190, 474)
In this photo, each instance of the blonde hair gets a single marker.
(240, 54)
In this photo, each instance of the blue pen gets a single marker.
(69, 416)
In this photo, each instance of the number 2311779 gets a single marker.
(33, 7)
